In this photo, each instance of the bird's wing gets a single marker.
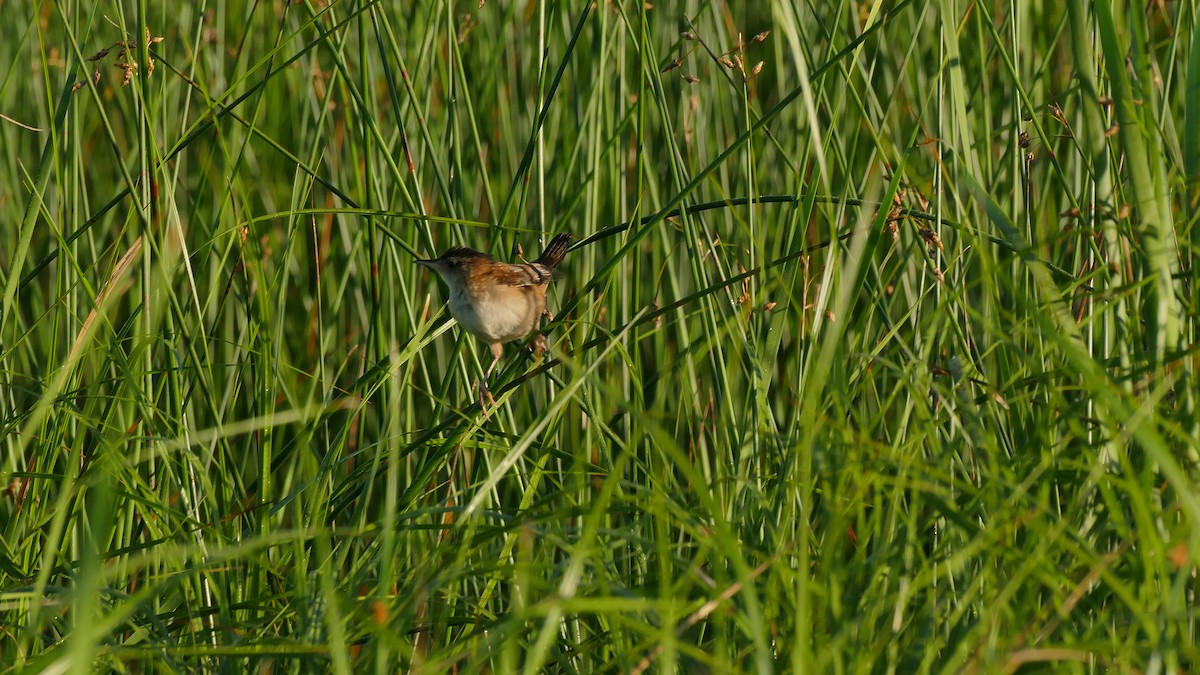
(531, 274)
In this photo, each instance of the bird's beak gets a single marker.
(431, 264)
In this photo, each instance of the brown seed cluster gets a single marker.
(899, 213)
(128, 66)
(731, 58)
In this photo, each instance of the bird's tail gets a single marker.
(555, 250)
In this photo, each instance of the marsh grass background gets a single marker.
(877, 355)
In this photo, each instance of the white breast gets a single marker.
(495, 321)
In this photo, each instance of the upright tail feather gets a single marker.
(553, 255)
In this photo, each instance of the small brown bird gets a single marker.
(498, 302)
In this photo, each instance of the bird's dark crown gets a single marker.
(457, 254)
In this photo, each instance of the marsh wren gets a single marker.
(498, 302)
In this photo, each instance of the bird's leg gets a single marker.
(539, 342)
(484, 394)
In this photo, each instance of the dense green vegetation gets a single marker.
(877, 352)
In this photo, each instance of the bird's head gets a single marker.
(455, 264)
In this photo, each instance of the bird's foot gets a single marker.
(539, 346)
(485, 397)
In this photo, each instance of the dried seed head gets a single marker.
(1057, 113)
(745, 296)
(931, 238)
(893, 228)
(757, 68)
(761, 37)
(1023, 139)
(464, 30)
(768, 306)
(690, 79)
(687, 35)
(129, 68)
(725, 62)
(672, 65)
(999, 399)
